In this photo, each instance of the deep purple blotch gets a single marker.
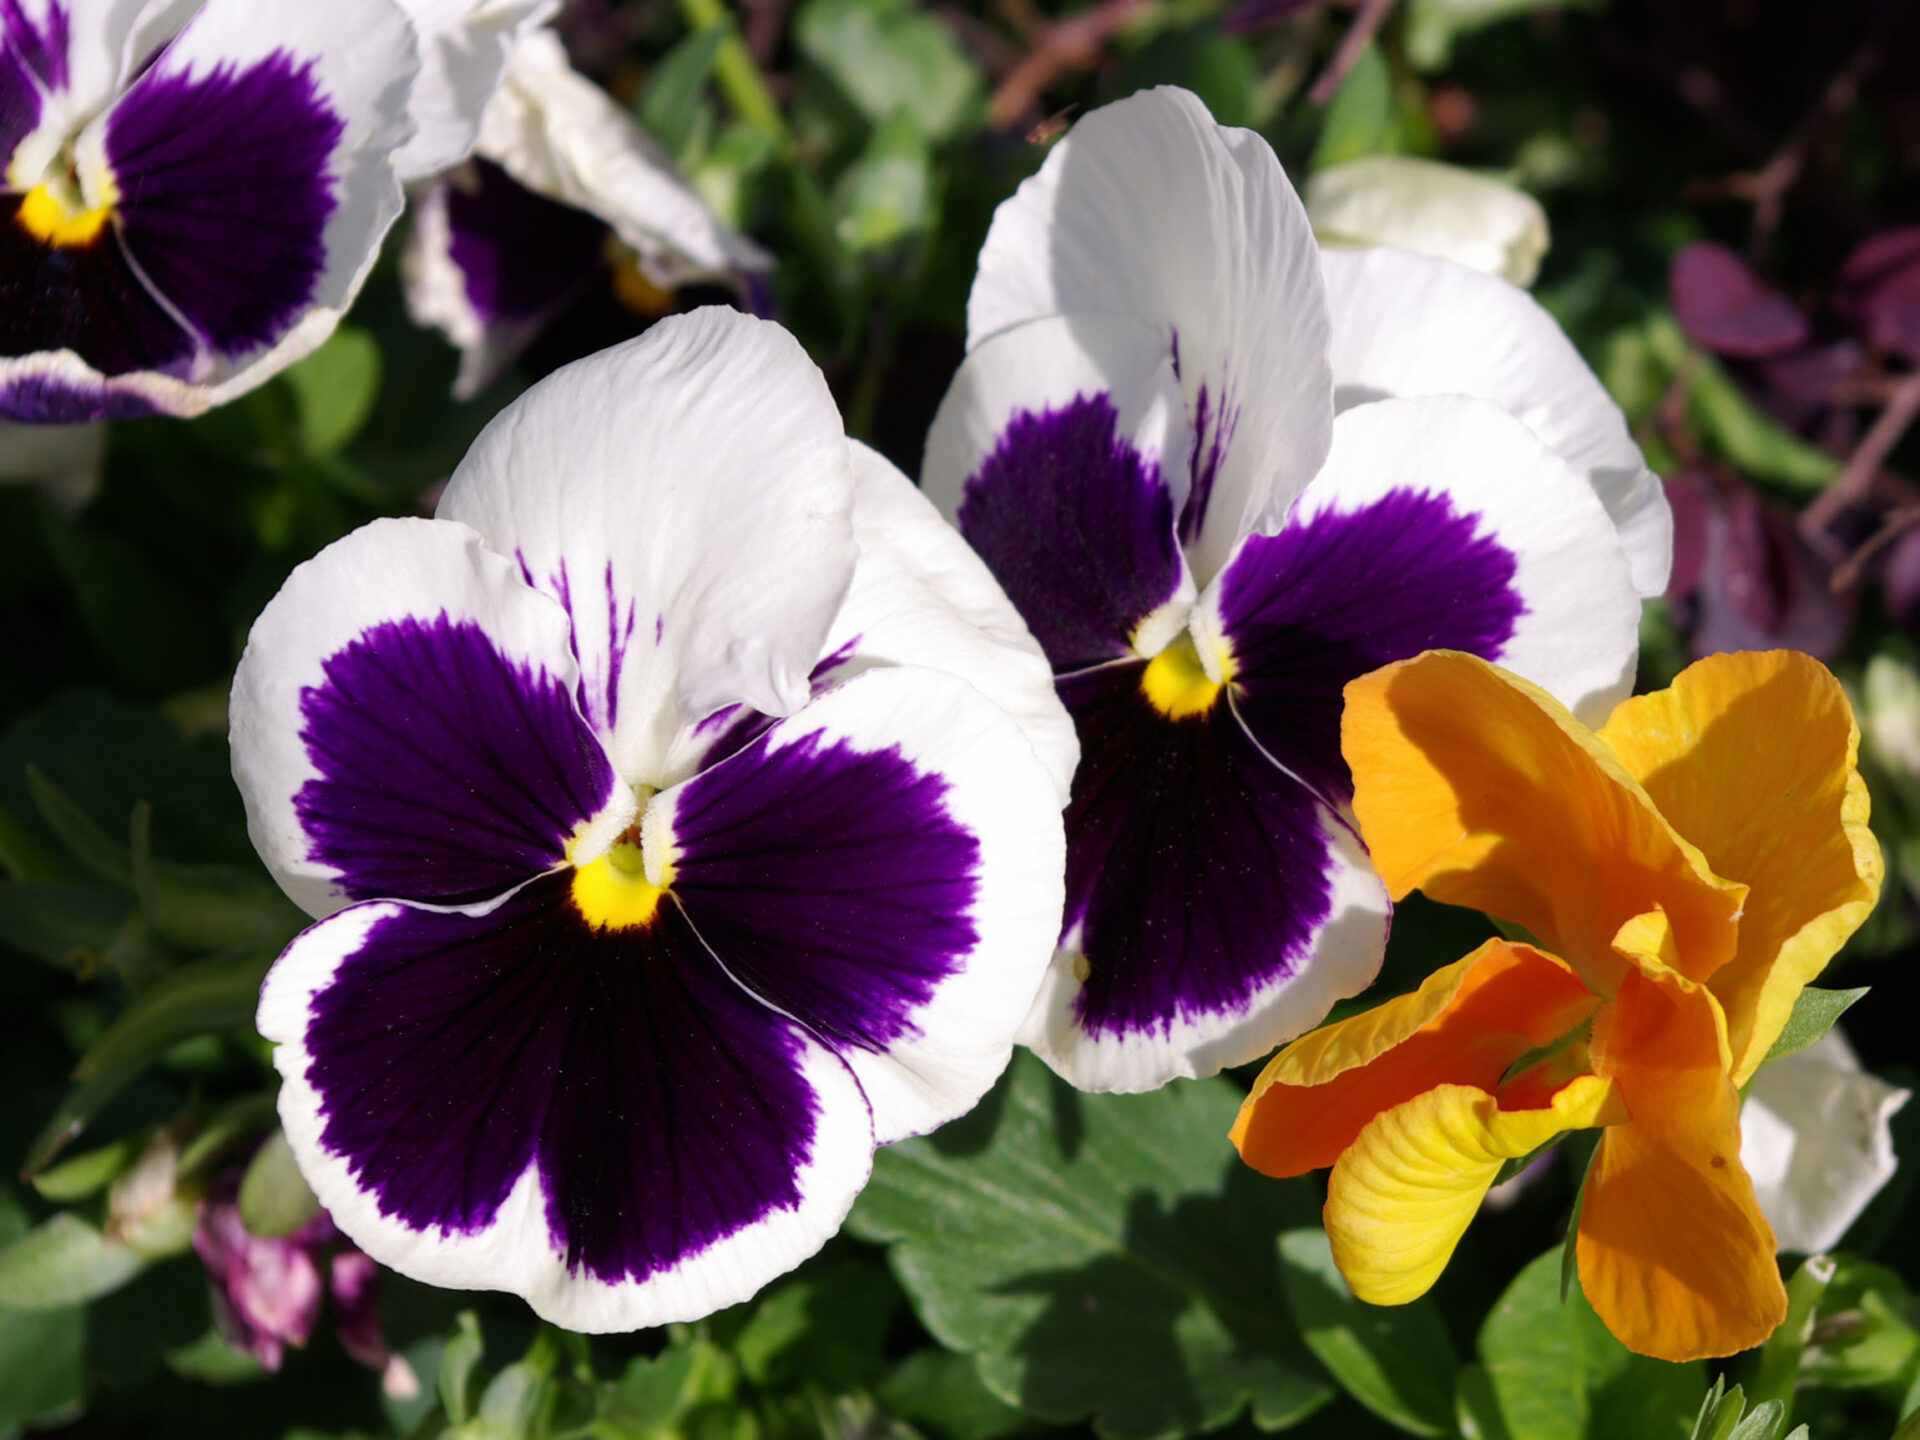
(447, 772)
(1077, 526)
(1197, 871)
(226, 193)
(832, 882)
(1330, 598)
(1722, 304)
(520, 255)
(664, 1106)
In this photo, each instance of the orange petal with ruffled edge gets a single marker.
(1752, 758)
(1674, 1253)
(1403, 1194)
(1465, 1025)
(1481, 790)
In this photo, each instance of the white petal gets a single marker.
(688, 497)
(65, 459)
(1410, 325)
(921, 597)
(463, 53)
(1150, 210)
(562, 136)
(1815, 1139)
(1431, 208)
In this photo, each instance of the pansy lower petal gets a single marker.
(1675, 1255)
(601, 1121)
(464, 46)
(404, 724)
(1403, 1194)
(1215, 906)
(884, 867)
(489, 263)
(1465, 1025)
(1480, 789)
(1411, 325)
(692, 580)
(1149, 210)
(1752, 757)
(1061, 453)
(1436, 524)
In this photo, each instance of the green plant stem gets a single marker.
(733, 67)
(1780, 1357)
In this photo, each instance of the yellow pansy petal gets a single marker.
(1402, 1196)
(1465, 1025)
(1674, 1253)
(1481, 789)
(1751, 757)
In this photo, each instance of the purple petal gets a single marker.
(31, 61)
(266, 1293)
(1761, 586)
(1723, 305)
(354, 1281)
(1900, 580)
(44, 400)
(1879, 290)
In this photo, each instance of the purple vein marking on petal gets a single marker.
(447, 772)
(1077, 525)
(1213, 427)
(1197, 871)
(226, 188)
(659, 630)
(831, 881)
(1330, 598)
(619, 636)
(737, 726)
(664, 1106)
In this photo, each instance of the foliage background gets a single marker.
(1053, 1263)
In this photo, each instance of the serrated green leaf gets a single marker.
(1362, 120)
(86, 1174)
(1102, 1255)
(63, 1262)
(335, 389)
(1815, 1012)
(670, 107)
(887, 55)
(274, 1198)
(1395, 1360)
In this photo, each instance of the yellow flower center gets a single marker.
(1176, 683)
(613, 892)
(56, 211)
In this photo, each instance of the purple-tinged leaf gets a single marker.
(1725, 307)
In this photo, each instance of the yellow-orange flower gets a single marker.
(1686, 871)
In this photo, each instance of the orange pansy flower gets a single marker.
(1686, 871)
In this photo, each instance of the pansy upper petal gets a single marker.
(404, 724)
(1480, 789)
(921, 596)
(1437, 523)
(1401, 1196)
(1215, 905)
(600, 1120)
(463, 53)
(1751, 757)
(1465, 1025)
(701, 540)
(1675, 1255)
(884, 868)
(562, 136)
(1407, 325)
(1150, 210)
(1061, 453)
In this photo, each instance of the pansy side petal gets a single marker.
(1465, 1025)
(1060, 451)
(464, 46)
(1751, 756)
(921, 596)
(404, 724)
(601, 1121)
(699, 535)
(1438, 523)
(1150, 210)
(1411, 325)
(884, 867)
(1215, 906)
(1480, 789)
(1403, 1194)
(1675, 1255)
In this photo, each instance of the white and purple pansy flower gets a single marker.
(683, 808)
(1216, 498)
(194, 192)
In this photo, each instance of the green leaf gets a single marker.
(942, 1392)
(334, 390)
(1362, 120)
(672, 104)
(828, 1327)
(1433, 25)
(1814, 1013)
(1750, 440)
(1219, 69)
(659, 1392)
(63, 1262)
(1557, 1374)
(888, 195)
(87, 1174)
(90, 845)
(887, 55)
(212, 1361)
(1763, 1422)
(1102, 1255)
(1395, 1360)
(56, 923)
(41, 1352)
(274, 1198)
(1476, 1408)
(459, 1362)
(209, 995)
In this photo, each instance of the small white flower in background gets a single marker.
(64, 460)
(1432, 209)
(1890, 717)
(1815, 1138)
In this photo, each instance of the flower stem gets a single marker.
(739, 78)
